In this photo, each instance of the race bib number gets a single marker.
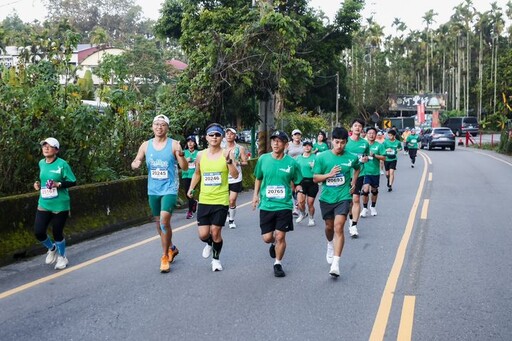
(49, 193)
(336, 181)
(212, 179)
(192, 165)
(159, 174)
(275, 192)
(390, 151)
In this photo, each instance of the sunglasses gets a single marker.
(214, 134)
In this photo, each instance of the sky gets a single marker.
(384, 11)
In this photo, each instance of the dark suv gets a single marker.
(461, 125)
(437, 137)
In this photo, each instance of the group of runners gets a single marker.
(286, 183)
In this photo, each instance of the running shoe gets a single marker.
(62, 262)
(190, 215)
(232, 224)
(207, 251)
(330, 253)
(51, 256)
(311, 222)
(173, 254)
(295, 211)
(335, 270)
(301, 217)
(164, 264)
(278, 270)
(373, 211)
(390, 188)
(364, 212)
(353, 231)
(216, 266)
(412, 166)
(272, 251)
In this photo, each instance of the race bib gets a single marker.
(49, 193)
(390, 151)
(192, 165)
(159, 174)
(336, 181)
(212, 179)
(275, 192)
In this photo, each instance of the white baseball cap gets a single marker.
(231, 130)
(161, 118)
(52, 142)
(296, 131)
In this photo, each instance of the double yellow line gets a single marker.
(407, 316)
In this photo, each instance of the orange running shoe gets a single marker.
(165, 266)
(173, 254)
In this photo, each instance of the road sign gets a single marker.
(386, 123)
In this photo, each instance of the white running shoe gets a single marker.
(207, 251)
(62, 262)
(301, 217)
(353, 231)
(373, 211)
(335, 270)
(51, 256)
(216, 266)
(330, 253)
(364, 212)
(311, 222)
(232, 224)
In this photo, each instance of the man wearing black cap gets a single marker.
(274, 173)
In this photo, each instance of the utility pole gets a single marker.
(337, 95)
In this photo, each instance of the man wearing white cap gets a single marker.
(235, 184)
(54, 203)
(162, 156)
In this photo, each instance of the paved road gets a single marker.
(431, 270)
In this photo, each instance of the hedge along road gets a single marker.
(115, 291)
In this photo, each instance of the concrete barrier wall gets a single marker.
(96, 209)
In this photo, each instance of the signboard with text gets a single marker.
(431, 102)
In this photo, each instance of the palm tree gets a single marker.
(428, 18)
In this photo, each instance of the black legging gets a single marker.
(43, 219)
(191, 201)
(412, 155)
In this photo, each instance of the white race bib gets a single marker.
(212, 179)
(159, 174)
(275, 192)
(192, 165)
(390, 151)
(49, 193)
(336, 181)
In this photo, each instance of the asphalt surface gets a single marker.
(457, 266)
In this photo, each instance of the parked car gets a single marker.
(442, 137)
(461, 125)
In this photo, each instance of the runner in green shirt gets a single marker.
(337, 171)
(190, 155)
(359, 147)
(309, 191)
(274, 174)
(412, 145)
(391, 148)
(321, 143)
(55, 177)
(372, 172)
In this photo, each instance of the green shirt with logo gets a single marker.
(412, 141)
(191, 164)
(306, 165)
(358, 148)
(337, 188)
(372, 167)
(55, 199)
(276, 177)
(320, 147)
(391, 149)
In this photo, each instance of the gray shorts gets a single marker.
(329, 211)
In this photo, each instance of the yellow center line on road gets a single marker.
(424, 209)
(407, 319)
(386, 301)
(92, 261)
